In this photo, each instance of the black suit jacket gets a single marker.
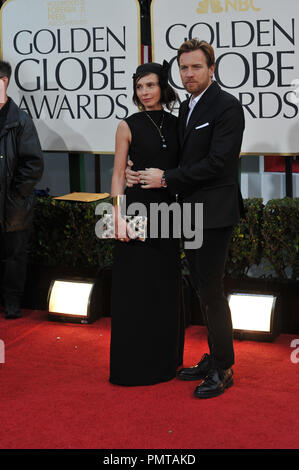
(210, 150)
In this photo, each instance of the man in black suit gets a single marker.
(211, 125)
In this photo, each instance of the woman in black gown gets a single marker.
(146, 327)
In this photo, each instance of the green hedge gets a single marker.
(269, 236)
(280, 236)
(64, 235)
(246, 248)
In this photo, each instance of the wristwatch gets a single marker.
(163, 181)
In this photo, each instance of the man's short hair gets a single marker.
(195, 45)
(5, 69)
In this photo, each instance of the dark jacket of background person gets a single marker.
(21, 167)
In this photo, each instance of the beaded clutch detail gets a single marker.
(136, 223)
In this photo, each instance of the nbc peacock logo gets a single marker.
(226, 6)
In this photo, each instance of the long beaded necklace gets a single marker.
(159, 129)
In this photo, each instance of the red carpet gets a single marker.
(55, 394)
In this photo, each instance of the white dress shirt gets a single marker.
(193, 102)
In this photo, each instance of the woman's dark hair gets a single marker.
(168, 95)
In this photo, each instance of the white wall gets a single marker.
(255, 182)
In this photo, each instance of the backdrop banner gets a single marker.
(73, 62)
(257, 60)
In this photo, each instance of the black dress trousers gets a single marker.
(207, 265)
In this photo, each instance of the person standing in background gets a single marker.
(21, 167)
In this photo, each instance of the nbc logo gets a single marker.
(220, 6)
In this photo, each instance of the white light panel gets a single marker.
(70, 297)
(251, 312)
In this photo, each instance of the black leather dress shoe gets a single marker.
(214, 384)
(197, 372)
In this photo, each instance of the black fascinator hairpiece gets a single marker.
(153, 67)
(164, 74)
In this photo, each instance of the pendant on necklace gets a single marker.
(164, 145)
(159, 129)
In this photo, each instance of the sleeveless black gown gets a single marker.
(147, 331)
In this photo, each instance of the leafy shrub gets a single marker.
(245, 249)
(280, 236)
(64, 235)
